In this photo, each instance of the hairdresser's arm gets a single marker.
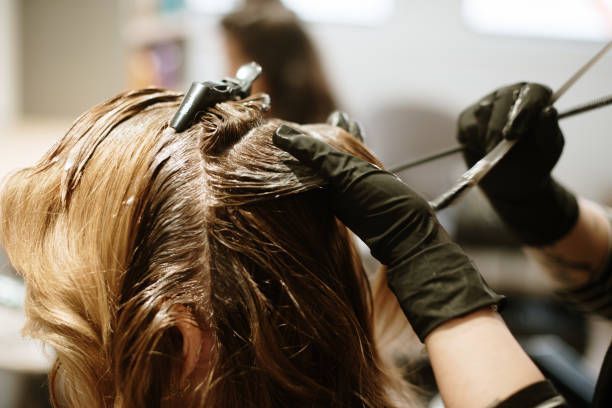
(476, 360)
(570, 238)
(478, 363)
(581, 261)
(582, 254)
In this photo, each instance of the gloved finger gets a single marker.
(472, 128)
(342, 120)
(502, 105)
(483, 114)
(466, 126)
(468, 137)
(473, 121)
(549, 115)
(303, 147)
(548, 136)
(332, 164)
(530, 101)
(473, 125)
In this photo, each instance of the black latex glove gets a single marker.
(431, 276)
(520, 187)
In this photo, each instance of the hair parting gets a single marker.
(129, 235)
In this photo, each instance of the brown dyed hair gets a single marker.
(124, 224)
(271, 35)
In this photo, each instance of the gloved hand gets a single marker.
(520, 187)
(432, 278)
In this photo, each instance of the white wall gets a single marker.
(426, 56)
(71, 55)
(424, 63)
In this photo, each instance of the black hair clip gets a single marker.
(203, 95)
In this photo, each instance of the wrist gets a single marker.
(438, 284)
(460, 324)
(581, 255)
(541, 217)
(492, 364)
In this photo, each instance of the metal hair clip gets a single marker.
(203, 95)
(343, 120)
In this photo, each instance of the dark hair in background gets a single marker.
(272, 35)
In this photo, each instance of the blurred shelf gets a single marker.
(147, 30)
(156, 45)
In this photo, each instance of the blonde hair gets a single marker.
(124, 224)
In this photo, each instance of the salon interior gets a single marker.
(404, 69)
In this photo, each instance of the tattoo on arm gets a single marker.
(567, 271)
(581, 255)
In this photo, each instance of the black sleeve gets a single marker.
(539, 395)
(603, 391)
(596, 295)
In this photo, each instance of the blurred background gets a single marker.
(404, 68)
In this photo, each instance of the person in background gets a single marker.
(270, 34)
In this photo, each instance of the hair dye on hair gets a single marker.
(124, 230)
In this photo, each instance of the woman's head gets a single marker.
(190, 268)
(271, 35)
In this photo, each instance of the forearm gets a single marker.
(477, 362)
(581, 254)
